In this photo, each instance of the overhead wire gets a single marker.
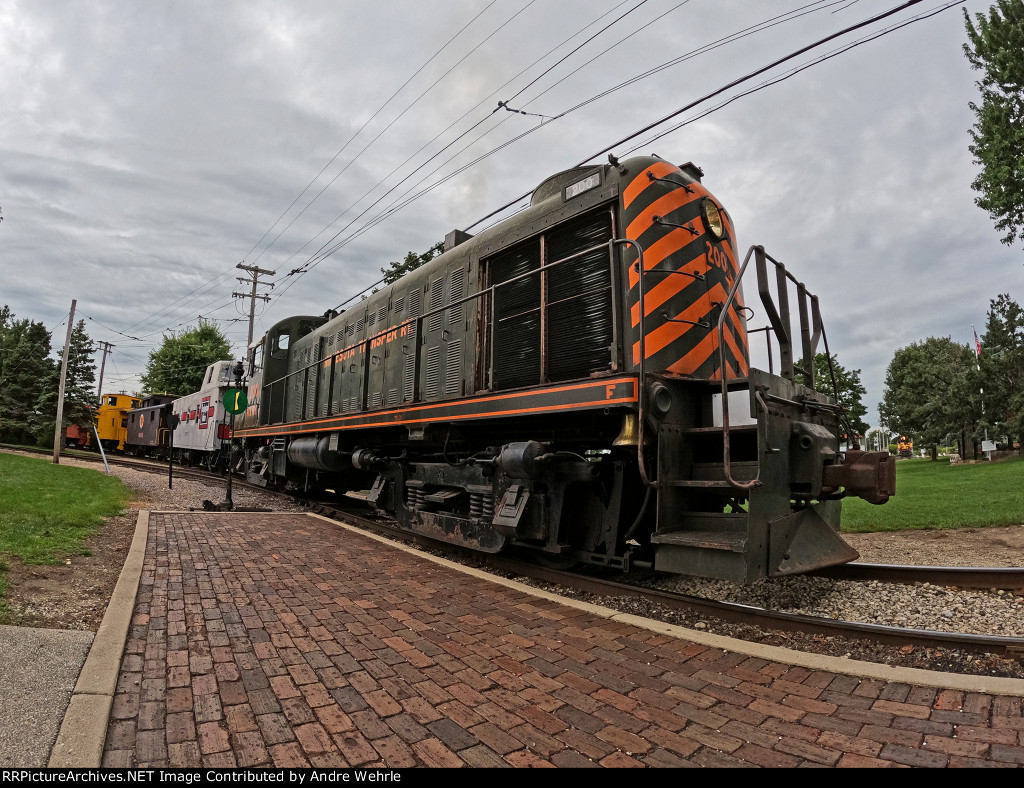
(313, 259)
(390, 124)
(320, 254)
(219, 279)
(796, 70)
(719, 91)
(327, 250)
(762, 70)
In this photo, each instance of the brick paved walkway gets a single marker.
(284, 640)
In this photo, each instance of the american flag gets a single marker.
(977, 343)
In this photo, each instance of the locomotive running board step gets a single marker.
(712, 471)
(703, 484)
(731, 541)
(718, 430)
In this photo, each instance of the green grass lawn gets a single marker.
(939, 495)
(47, 510)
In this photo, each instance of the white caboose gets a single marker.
(203, 427)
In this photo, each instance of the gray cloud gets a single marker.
(146, 149)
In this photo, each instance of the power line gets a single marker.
(221, 277)
(360, 129)
(722, 89)
(326, 250)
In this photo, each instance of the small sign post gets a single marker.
(235, 402)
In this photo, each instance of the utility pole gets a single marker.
(60, 392)
(255, 273)
(107, 347)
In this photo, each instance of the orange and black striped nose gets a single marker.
(688, 273)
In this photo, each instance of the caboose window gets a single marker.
(112, 401)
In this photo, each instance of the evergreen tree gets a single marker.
(178, 365)
(80, 381)
(26, 376)
(1002, 367)
(996, 49)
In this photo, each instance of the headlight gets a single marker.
(713, 221)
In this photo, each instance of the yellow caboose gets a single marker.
(112, 419)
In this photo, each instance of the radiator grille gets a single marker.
(516, 347)
(579, 298)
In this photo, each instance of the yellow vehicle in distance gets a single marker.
(112, 419)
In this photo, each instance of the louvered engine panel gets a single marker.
(579, 300)
(408, 376)
(309, 409)
(453, 368)
(516, 337)
(433, 372)
(456, 292)
(436, 301)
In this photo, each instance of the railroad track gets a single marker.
(988, 578)
(747, 615)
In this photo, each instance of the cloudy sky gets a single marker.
(146, 149)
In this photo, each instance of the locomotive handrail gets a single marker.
(758, 251)
(810, 332)
(269, 387)
(642, 389)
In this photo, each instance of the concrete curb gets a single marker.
(991, 685)
(84, 729)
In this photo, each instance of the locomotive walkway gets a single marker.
(290, 641)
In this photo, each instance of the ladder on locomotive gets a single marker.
(725, 507)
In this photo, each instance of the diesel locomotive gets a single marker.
(574, 382)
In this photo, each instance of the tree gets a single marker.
(849, 391)
(26, 378)
(1002, 367)
(996, 49)
(178, 365)
(80, 382)
(931, 392)
(412, 261)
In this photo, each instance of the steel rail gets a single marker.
(985, 577)
(975, 577)
(727, 611)
(771, 619)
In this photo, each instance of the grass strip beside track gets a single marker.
(47, 511)
(939, 495)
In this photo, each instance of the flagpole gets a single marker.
(977, 359)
